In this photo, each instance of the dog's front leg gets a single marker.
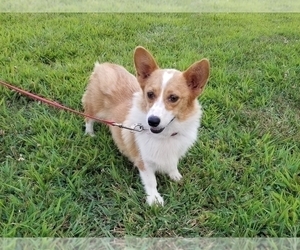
(172, 170)
(175, 175)
(150, 184)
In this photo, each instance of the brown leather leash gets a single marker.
(135, 127)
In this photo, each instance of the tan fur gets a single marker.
(109, 92)
(109, 96)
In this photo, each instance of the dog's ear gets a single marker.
(196, 77)
(145, 64)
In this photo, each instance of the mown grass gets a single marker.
(150, 6)
(241, 179)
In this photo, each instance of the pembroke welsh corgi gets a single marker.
(163, 101)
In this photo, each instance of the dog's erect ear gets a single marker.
(196, 77)
(144, 62)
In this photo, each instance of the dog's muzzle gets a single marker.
(154, 122)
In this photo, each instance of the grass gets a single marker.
(241, 179)
(150, 6)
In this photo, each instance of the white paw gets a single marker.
(155, 199)
(175, 175)
(89, 133)
(89, 129)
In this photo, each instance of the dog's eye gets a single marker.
(151, 95)
(173, 98)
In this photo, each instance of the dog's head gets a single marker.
(168, 93)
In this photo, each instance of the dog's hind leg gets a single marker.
(89, 127)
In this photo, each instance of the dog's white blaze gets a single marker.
(158, 109)
(166, 77)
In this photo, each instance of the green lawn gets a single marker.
(150, 6)
(241, 179)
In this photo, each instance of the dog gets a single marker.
(163, 101)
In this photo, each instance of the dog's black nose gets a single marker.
(153, 121)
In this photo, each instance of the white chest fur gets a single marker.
(162, 151)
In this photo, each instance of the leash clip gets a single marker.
(137, 127)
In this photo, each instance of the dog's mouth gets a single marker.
(156, 130)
